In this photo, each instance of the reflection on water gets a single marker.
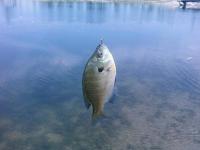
(89, 12)
(43, 49)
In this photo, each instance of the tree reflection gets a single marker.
(9, 6)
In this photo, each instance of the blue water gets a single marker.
(43, 50)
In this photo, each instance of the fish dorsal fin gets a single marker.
(86, 102)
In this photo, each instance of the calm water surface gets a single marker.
(43, 49)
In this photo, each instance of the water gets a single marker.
(43, 49)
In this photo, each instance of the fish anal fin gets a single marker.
(114, 94)
(112, 99)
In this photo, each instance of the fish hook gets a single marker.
(101, 41)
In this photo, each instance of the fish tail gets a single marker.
(97, 117)
(97, 114)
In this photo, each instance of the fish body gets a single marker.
(99, 79)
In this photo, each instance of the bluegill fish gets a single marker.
(99, 79)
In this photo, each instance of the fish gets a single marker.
(98, 80)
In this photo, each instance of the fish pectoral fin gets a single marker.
(109, 69)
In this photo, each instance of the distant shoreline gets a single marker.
(120, 1)
(115, 1)
(168, 3)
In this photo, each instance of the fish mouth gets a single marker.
(100, 69)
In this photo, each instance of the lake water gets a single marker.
(43, 50)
